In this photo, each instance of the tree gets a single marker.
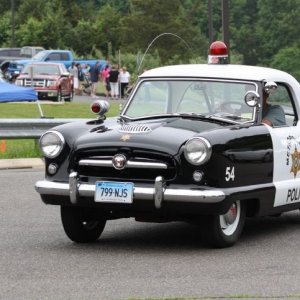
(148, 19)
(288, 60)
(277, 27)
(242, 27)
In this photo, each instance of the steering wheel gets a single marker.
(232, 107)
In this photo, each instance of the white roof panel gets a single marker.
(241, 72)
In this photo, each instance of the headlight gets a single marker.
(51, 83)
(19, 82)
(197, 151)
(52, 143)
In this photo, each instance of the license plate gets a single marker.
(114, 192)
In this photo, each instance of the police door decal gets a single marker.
(286, 167)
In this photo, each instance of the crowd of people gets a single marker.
(115, 79)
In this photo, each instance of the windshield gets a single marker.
(223, 99)
(41, 69)
(39, 56)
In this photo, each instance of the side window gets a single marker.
(282, 96)
(53, 56)
(64, 56)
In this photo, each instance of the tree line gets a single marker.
(262, 32)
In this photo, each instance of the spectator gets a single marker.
(114, 82)
(124, 80)
(105, 80)
(74, 73)
(94, 76)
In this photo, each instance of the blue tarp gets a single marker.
(13, 93)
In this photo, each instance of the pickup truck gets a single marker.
(208, 144)
(61, 56)
(50, 80)
(10, 54)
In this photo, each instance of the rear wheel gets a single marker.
(80, 224)
(224, 230)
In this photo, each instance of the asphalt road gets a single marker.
(136, 260)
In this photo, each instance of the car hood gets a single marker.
(166, 135)
(23, 61)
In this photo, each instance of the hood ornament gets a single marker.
(119, 161)
(125, 137)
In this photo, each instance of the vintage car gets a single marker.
(189, 145)
(50, 80)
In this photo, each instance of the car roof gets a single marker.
(241, 72)
(45, 63)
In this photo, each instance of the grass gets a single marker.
(59, 110)
(29, 148)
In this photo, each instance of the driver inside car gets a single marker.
(272, 115)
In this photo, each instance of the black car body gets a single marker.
(189, 145)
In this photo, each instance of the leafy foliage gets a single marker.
(262, 32)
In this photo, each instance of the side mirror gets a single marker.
(252, 98)
(270, 87)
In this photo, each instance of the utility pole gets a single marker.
(225, 23)
(210, 23)
(12, 2)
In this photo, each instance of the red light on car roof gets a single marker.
(218, 48)
(218, 53)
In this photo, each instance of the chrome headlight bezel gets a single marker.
(52, 143)
(197, 151)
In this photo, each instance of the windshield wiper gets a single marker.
(164, 116)
(228, 116)
(151, 117)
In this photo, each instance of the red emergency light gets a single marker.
(218, 53)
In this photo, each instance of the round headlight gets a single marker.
(197, 151)
(52, 143)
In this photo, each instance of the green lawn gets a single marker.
(56, 110)
(29, 148)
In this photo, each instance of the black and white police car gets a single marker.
(189, 145)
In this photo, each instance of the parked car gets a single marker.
(189, 145)
(50, 80)
(62, 56)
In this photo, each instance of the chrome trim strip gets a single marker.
(143, 193)
(129, 164)
(73, 185)
(158, 191)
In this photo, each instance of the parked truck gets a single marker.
(61, 56)
(8, 55)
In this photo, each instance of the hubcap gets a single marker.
(230, 220)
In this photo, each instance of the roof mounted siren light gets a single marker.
(218, 53)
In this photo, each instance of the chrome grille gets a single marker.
(36, 82)
(140, 166)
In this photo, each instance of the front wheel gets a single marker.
(224, 230)
(80, 224)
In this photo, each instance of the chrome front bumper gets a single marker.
(158, 193)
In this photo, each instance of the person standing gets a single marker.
(74, 73)
(114, 82)
(105, 80)
(94, 76)
(124, 80)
